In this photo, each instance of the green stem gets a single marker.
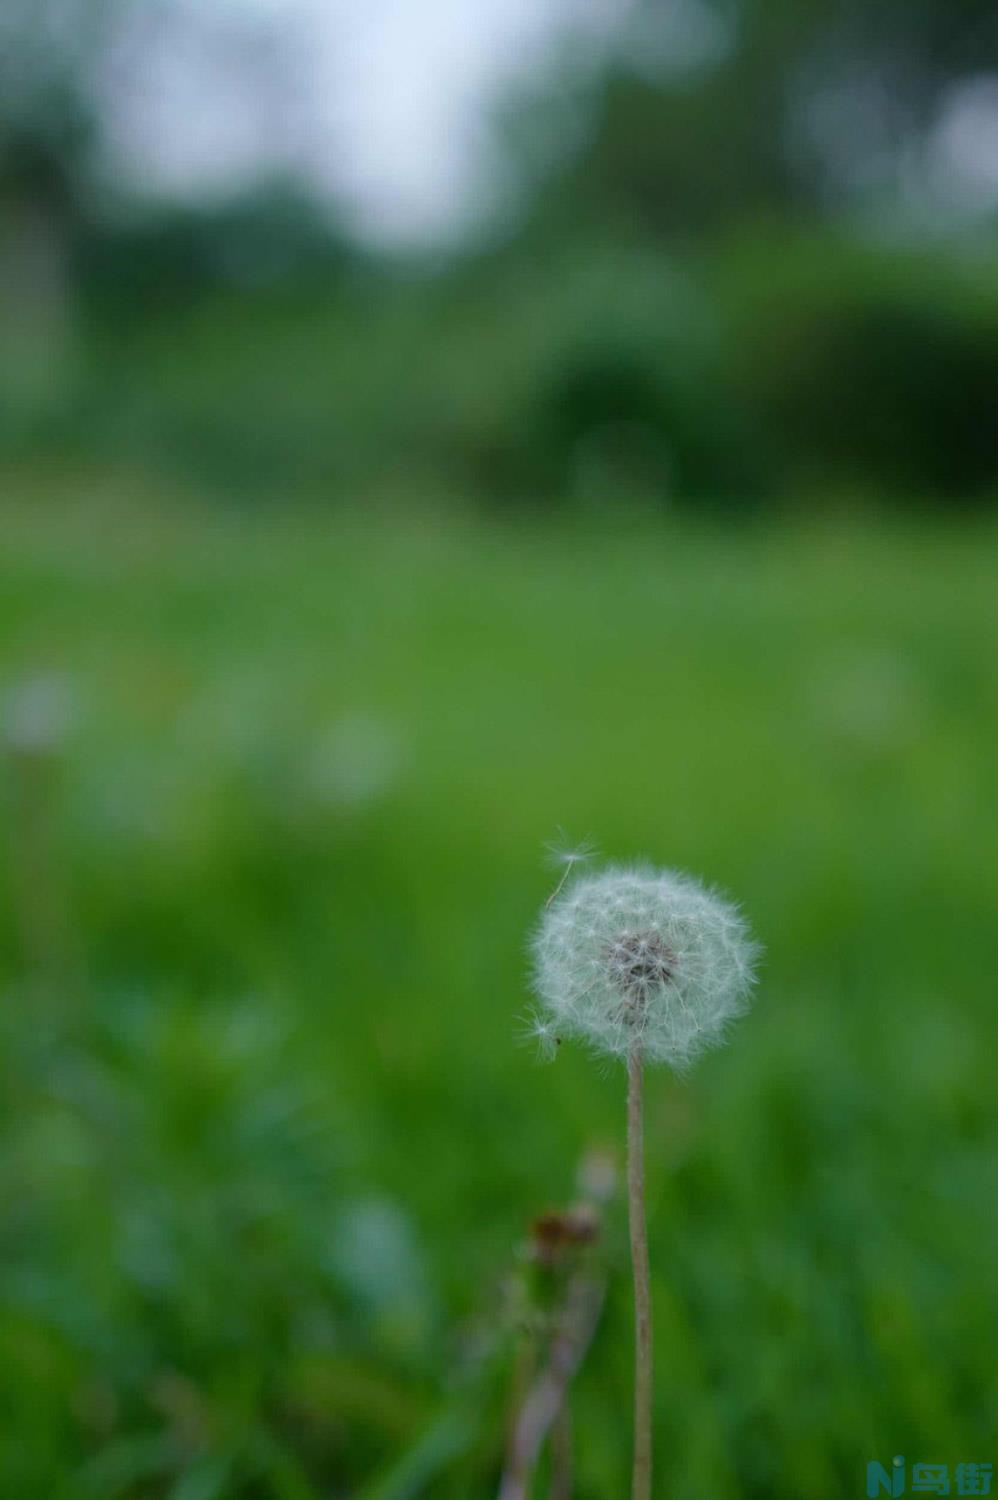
(641, 1484)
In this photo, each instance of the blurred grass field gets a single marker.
(269, 1142)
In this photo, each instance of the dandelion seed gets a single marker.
(566, 857)
(538, 1031)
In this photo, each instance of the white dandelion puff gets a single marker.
(633, 957)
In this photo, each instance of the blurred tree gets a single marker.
(865, 365)
(47, 126)
(153, 254)
(47, 143)
(64, 208)
(715, 112)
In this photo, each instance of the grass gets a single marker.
(268, 1144)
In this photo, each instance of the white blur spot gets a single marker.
(38, 712)
(963, 153)
(872, 700)
(384, 107)
(355, 762)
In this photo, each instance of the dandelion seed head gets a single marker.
(632, 956)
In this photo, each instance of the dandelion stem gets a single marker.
(641, 1484)
(561, 1452)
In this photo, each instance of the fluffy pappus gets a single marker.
(634, 957)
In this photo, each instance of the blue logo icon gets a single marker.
(927, 1479)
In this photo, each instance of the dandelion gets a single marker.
(642, 963)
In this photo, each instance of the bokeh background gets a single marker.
(424, 428)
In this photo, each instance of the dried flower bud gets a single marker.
(641, 957)
(555, 1233)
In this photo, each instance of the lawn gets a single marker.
(276, 793)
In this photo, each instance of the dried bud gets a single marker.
(554, 1234)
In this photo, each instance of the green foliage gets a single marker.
(590, 376)
(267, 1144)
(774, 367)
(868, 367)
